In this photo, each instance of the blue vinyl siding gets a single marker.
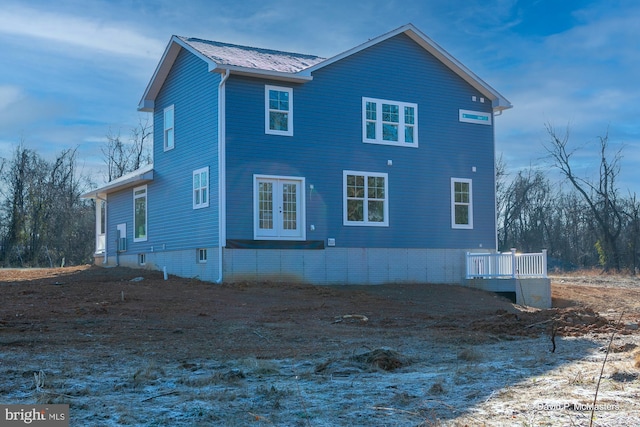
(172, 221)
(120, 210)
(328, 139)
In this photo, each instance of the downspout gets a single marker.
(222, 200)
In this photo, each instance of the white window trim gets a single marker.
(193, 190)
(101, 225)
(121, 233)
(267, 129)
(453, 204)
(169, 109)
(302, 201)
(401, 124)
(146, 213)
(476, 117)
(199, 255)
(365, 222)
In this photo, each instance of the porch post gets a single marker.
(513, 262)
(544, 263)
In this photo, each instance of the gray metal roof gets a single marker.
(226, 54)
(295, 67)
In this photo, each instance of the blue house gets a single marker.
(373, 166)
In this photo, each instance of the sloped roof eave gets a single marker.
(300, 77)
(147, 102)
(499, 102)
(140, 176)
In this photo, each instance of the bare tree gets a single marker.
(524, 211)
(122, 157)
(600, 196)
(632, 234)
(141, 138)
(46, 221)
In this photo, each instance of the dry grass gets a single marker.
(469, 355)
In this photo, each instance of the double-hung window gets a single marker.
(461, 203)
(366, 200)
(201, 188)
(169, 136)
(389, 122)
(278, 110)
(140, 214)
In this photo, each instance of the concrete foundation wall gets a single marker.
(336, 266)
(179, 263)
(346, 265)
(532, 292)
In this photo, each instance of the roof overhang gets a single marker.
(147, 103)
(137, 177)
(498, 102)
(264, 74)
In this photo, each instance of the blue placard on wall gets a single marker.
(477, 117)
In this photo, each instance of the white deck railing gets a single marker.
(506, 265)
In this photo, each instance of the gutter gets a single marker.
(222, 200)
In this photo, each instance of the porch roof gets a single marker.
(137, 177)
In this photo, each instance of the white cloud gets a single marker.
(18, 109)
(104, 37)
(9, 95)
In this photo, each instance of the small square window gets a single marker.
(202, 256)
(142, 259)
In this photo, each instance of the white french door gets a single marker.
(279, 208)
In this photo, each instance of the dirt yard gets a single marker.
(125, 347)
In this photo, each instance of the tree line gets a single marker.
(582, 221)
(43, 220)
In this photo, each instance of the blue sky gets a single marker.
(73, 69)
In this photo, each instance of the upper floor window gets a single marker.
(389, 122)
(201, 188)
(140, 214)
(169, 141)
(366, 200)
(278, 110)
(461, 203)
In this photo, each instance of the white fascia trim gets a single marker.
(262, 74)
(499, 102)
(147, 102)
(137, 177)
